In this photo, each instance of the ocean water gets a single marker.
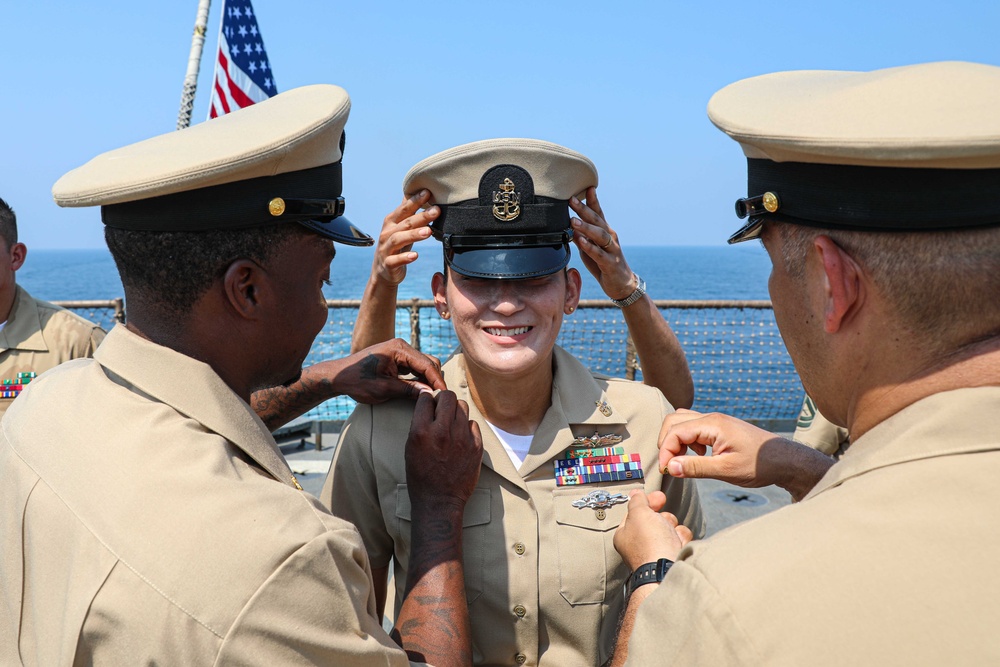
(736, 356)
(716, 272)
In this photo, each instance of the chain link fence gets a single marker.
(104, 313)
(735, 352)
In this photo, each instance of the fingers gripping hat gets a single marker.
(905, 149)
(504, 205)
(276, 161)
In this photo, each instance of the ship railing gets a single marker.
(737, 358)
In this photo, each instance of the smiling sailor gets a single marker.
(562, 446)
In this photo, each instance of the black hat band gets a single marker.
(871, 198)
(309, 194)
(467, 218)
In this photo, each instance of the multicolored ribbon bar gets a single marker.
(578, 453)
(609, 467)
(597, 460)
(598, 477)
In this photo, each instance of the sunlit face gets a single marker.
(507, 327)
(298, 271)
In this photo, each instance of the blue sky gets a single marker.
(625, 83)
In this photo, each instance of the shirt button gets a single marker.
(519, 550)
(520, 611)
(520, 658)
(601, 515)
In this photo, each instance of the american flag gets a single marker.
(243, 75)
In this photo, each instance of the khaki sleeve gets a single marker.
(351, 488)
(683, 500)
(816, 431)
(687, 622)
(317, 608)
(97, 335)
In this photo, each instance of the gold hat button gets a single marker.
(276, 206)
(771, 202)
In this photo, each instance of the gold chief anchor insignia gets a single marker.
(506, 203)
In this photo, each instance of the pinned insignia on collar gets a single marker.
(597, 440)
(600, 499)
(507, 202)
(603, 407)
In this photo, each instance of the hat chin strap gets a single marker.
(473, 241)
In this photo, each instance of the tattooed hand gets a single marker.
(369, 376)
(444, 451)
(373, 374)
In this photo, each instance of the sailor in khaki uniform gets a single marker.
(149, 517)
(35, 335)
(38, 336)
(877, 197)
(815, 430)
(562, 446)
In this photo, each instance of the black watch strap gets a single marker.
(649, 573)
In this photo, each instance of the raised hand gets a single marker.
(599, 247)
(646, 534)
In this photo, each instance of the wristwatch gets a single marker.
(650, 573)
(634, 296)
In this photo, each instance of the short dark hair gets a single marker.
(8, 223)
(170, 271)
(942, 284)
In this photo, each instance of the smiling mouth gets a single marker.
(516, 331)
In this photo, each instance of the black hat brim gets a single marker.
(340, 229)
(516, 263)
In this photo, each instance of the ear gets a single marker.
(440, 287)
(844, 289)
(245, 286)
(18, 252)
(574, 284)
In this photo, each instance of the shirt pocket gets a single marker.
(475, 524)
(589, 567)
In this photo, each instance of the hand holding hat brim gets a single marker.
(599, 247)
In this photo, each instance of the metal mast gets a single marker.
(194, 62)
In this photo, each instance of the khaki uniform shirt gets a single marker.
(149, 518)
(39, 336)
(815, 430)
(890, 560)
(543, 579)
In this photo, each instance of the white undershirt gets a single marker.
(516, 446)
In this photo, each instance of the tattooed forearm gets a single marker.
(435, 540)
(433, 623)
(277, 406)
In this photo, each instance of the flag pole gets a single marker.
(194, 63)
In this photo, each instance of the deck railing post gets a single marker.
(631, 358)
(119, 310)
(415, 324)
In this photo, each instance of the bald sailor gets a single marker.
(148, 515)
(877, 198)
